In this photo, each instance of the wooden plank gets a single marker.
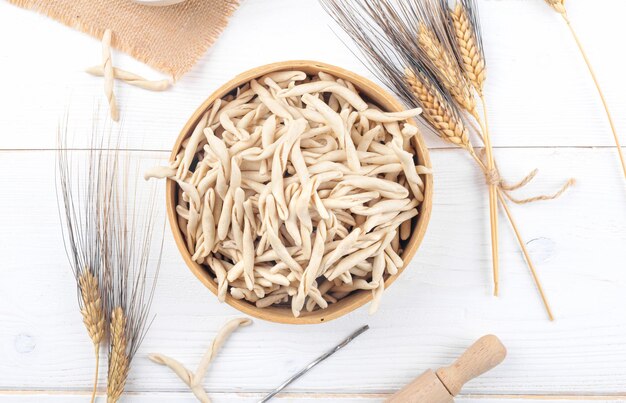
(440, 305)
(538, 89)
(51, 397)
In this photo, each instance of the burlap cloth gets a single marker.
(170, 39)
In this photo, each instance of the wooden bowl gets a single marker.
(371, 92)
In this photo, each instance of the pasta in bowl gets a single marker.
(298, 192)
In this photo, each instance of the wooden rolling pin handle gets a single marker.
(485, 354)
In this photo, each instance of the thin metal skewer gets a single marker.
(314, 363)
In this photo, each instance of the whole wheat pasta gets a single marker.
(294, 190)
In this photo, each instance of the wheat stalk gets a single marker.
(493, 202)
(440, 114)
(431, 102)
(452, 50)
(78, 210)
(119, 360)
(127, 236)
(559, 6)
(466, 32)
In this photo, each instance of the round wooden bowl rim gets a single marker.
(354, 300)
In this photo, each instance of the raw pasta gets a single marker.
(107, 71)
(295, 190)
(194, 379)
(131, 78)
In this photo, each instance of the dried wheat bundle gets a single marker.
(79, 199)
(432, 57)
(108, 245)
(559, 6)
(295, 190)
(127, 244)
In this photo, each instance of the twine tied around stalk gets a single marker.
(493, 177)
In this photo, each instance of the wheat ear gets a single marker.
(93, 316)
(438, 111)
(471, 57)
(118, 356)
(472, 61)
(446, 69)
(559, 6)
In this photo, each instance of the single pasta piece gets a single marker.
(194, 379)
(131, 78)
(107, 72)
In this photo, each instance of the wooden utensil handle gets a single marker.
(427, 388)
(486, 353)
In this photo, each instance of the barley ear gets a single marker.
(93, 316)
(438, 111)
(557, 5)
(470, 52)
(92, 309)
(118, 356)
(446, 68)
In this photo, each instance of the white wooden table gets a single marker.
(545, 114)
